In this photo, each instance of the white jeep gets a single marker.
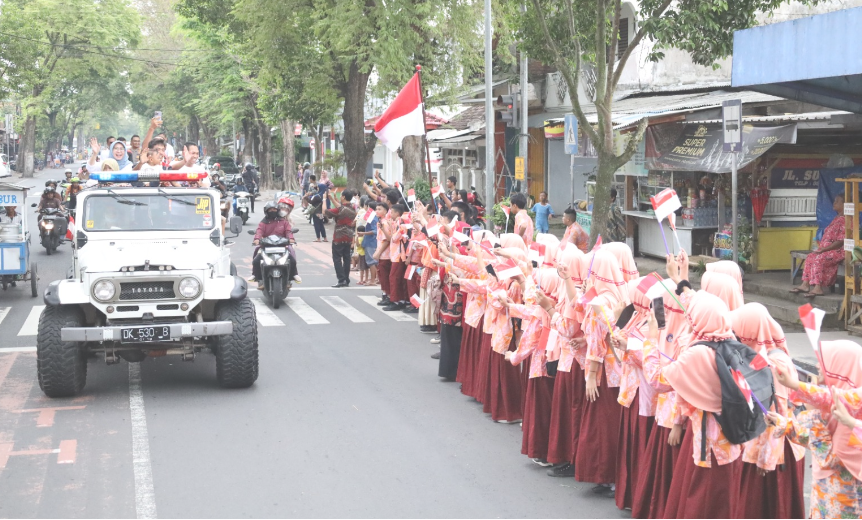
(151, 276)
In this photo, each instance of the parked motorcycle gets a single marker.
(275, 268)
(243, 205)
(52, 228)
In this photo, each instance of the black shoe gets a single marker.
(435, 355)
(384, 301)
(339, 285)
(562, 470)
(394, 307)
(600, 489)
(610, 493)
(428, 329)
(410, 310)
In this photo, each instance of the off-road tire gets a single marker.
(61, 367)
(237, 354)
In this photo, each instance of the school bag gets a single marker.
(739, 422)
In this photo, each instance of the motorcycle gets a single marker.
(275, 268)
(243, 205)
(52, 228)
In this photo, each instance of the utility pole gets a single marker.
(490, 121)
(525, 129)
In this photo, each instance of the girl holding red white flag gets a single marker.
(774, 469)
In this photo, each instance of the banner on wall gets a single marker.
(696, 147)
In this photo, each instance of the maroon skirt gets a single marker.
(504, 390)
(561, 446)
(482, 381)
(471, 342)
(596, 459)
(634, 434)
(655, 472)
(697, 492)
(779, 494)
(525, 378)
(537, 417)
(579, 389)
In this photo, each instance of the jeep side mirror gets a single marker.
(235, 225)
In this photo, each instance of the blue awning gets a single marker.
(813, 60)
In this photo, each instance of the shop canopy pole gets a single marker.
(731, 115)
(735, 207)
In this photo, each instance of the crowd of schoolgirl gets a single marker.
(564, 339)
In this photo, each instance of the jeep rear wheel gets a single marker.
(236, 354)
(61, 367)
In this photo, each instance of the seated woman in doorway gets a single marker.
(821, 266)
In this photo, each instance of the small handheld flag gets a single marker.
(411, 195)
(460, 237)
(664, 203)
(588, 296)
(408, 274)
(811, 319)
(508, 269)
(432, 227)
(740, 381)
(71, 230)
(416, 301)
(537, 253)
(436, 191)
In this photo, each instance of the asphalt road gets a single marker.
(347, 419)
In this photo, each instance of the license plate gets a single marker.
(145, 334)
(275, 250)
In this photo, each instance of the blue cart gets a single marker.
(15, 265)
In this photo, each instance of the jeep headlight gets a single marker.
(190, 287)
(104, 290)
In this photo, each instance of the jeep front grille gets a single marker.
(147, 290)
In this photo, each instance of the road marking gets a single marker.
(265, 316)
(327, 288)
(145, 498)
(6, 350)
(347, 310)
(46, 415)
(3, 312)
(67, 452)
(304, 311)
(31, 324)
(395, 315)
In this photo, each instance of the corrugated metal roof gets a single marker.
(806, 116)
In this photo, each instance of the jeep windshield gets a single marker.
(149, 212)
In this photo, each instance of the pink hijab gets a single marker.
(841, 362)
(727, 267)
(755, 327)
(550, 285)
(670, 340)
(723, 286)
(570, 258)
(694, 374)
(624, 257)
(512, 240)
(641, 303)
(608, 279)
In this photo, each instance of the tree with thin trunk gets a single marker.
(581, 36)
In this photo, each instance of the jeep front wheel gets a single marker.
(236, 354)
(61, 367)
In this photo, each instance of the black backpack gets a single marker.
(738, 422)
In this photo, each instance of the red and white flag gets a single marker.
(588, 296)
(811, 319)
(71, 230)
(403, 117)
(411, 195)
(436, 191)
(508, 269)
(416, 301)
(536, 253)
(761, 361)
(408, 274)
(460, 237)
(488, 247)
(432, 227)
(664, 203)
(506, 210)
(740, 381)
(598, 243)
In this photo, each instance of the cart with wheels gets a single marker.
(15, 264)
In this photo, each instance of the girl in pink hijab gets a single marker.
(727, 267)
(624, 257)
(703, 487)
(768, 492)
(724, 287)
(540, 386)
(597, 447)
(830, 428)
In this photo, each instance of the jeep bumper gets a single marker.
(178, 331)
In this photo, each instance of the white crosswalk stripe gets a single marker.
(346, 310)
(3, 312)
(265, 316)
(7, 350)
(395, 315)
(305, 312)
(31, 324)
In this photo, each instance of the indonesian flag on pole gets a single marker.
(508, 269)
(432, 227)
(403, 117)
(408, 274)
(411, 195)
(740, 381)
(664, 203)
(436, 191)
(71, 230)
(811, 319)
(416, 301)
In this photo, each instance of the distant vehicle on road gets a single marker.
(228, 166)
(4, 166)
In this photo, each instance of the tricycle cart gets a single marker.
(15, 265)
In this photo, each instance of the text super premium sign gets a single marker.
(695, 147)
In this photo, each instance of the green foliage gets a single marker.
(422, 188)
(339, 181)
(332, 162)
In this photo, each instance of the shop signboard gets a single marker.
(807, 178)
(636, 165)
(519, 168)
(699, 147)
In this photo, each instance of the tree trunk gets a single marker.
(27, 147)
(210, 141)
(357, 149)
(413, 158)
(247, 146)
(320, 146)
(289, 182)
(72, 138)
(265, 157)
(194, 133)
(602, 199)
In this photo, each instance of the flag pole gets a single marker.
(424, 124)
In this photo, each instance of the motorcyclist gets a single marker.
(72, 193)
(50, 197)
(64, 193)
(238, 188)
(273, 224)
(249, 179)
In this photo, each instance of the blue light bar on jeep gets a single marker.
(145, 177)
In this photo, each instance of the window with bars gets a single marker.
(623, 41)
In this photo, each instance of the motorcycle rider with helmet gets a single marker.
(273, 224)
(50, 197)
